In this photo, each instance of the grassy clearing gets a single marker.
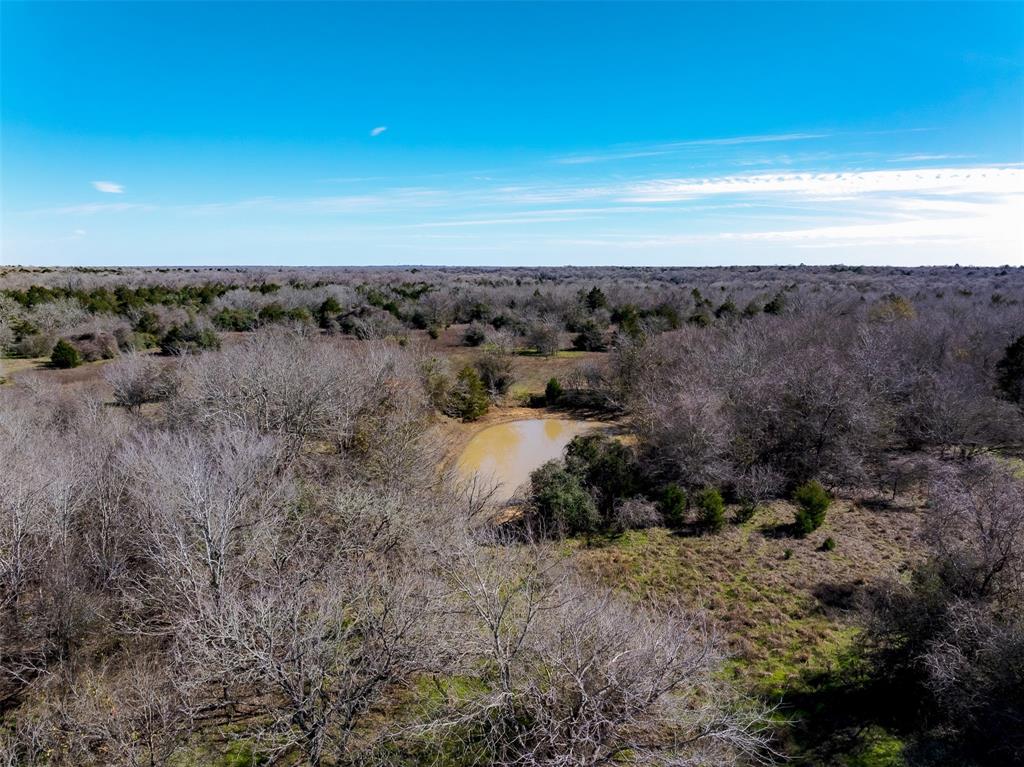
(781, 616)
(788, 620)
(11, 366)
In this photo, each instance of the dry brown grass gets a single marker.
(88, 374)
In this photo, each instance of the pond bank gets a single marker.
(505, 454)
(461, 435)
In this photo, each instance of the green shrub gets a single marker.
(745, 512)
(500, 321)
(672, 505)
(235, 319)
(1010, 372)
(560, 501)
(299, 314)
(480, 311)
(812, 502)
(64, 355)
(590, 338)
(605, 466)
(701, 319)
(668, 316)
(712, 509)
(468, 398)
(147, 322)
(752, 309)
(727, 310)
(776, 305)
(328, 310)
(553, 391)
(272, 313)
(189, 337)
(829, 544)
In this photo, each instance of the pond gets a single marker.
(506, 453)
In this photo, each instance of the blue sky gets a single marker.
(516, 133)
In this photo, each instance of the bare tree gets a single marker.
(976, 529)
(21, 488)
(545, 338)
(756, 484)
(302, 389)
(138, 379)
(580, 679)
(312, 649)
(686, 431)
(127, 716)
(211, 502)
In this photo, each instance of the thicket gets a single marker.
(561, 504)
(824, 394)
(943, 649)
(600, 481)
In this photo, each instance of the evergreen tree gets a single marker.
(596, 299)
(672, 505)
(468, 399)
(812, 503)
(65, 355)
(712, 509)
(561, 502)
(1010, 372)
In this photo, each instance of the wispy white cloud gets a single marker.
(108, 186)
(928, 157)
(881, 209)
(941, 181)
(537, 218)
(998, 222)
(543, 215)
(378, 130)
(88, 209)
(653, 150)
(387, 200)
(906, 187)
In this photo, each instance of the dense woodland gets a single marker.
(231, 531)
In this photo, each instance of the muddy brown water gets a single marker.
(506, 453)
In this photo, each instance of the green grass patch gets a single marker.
(880, 749)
